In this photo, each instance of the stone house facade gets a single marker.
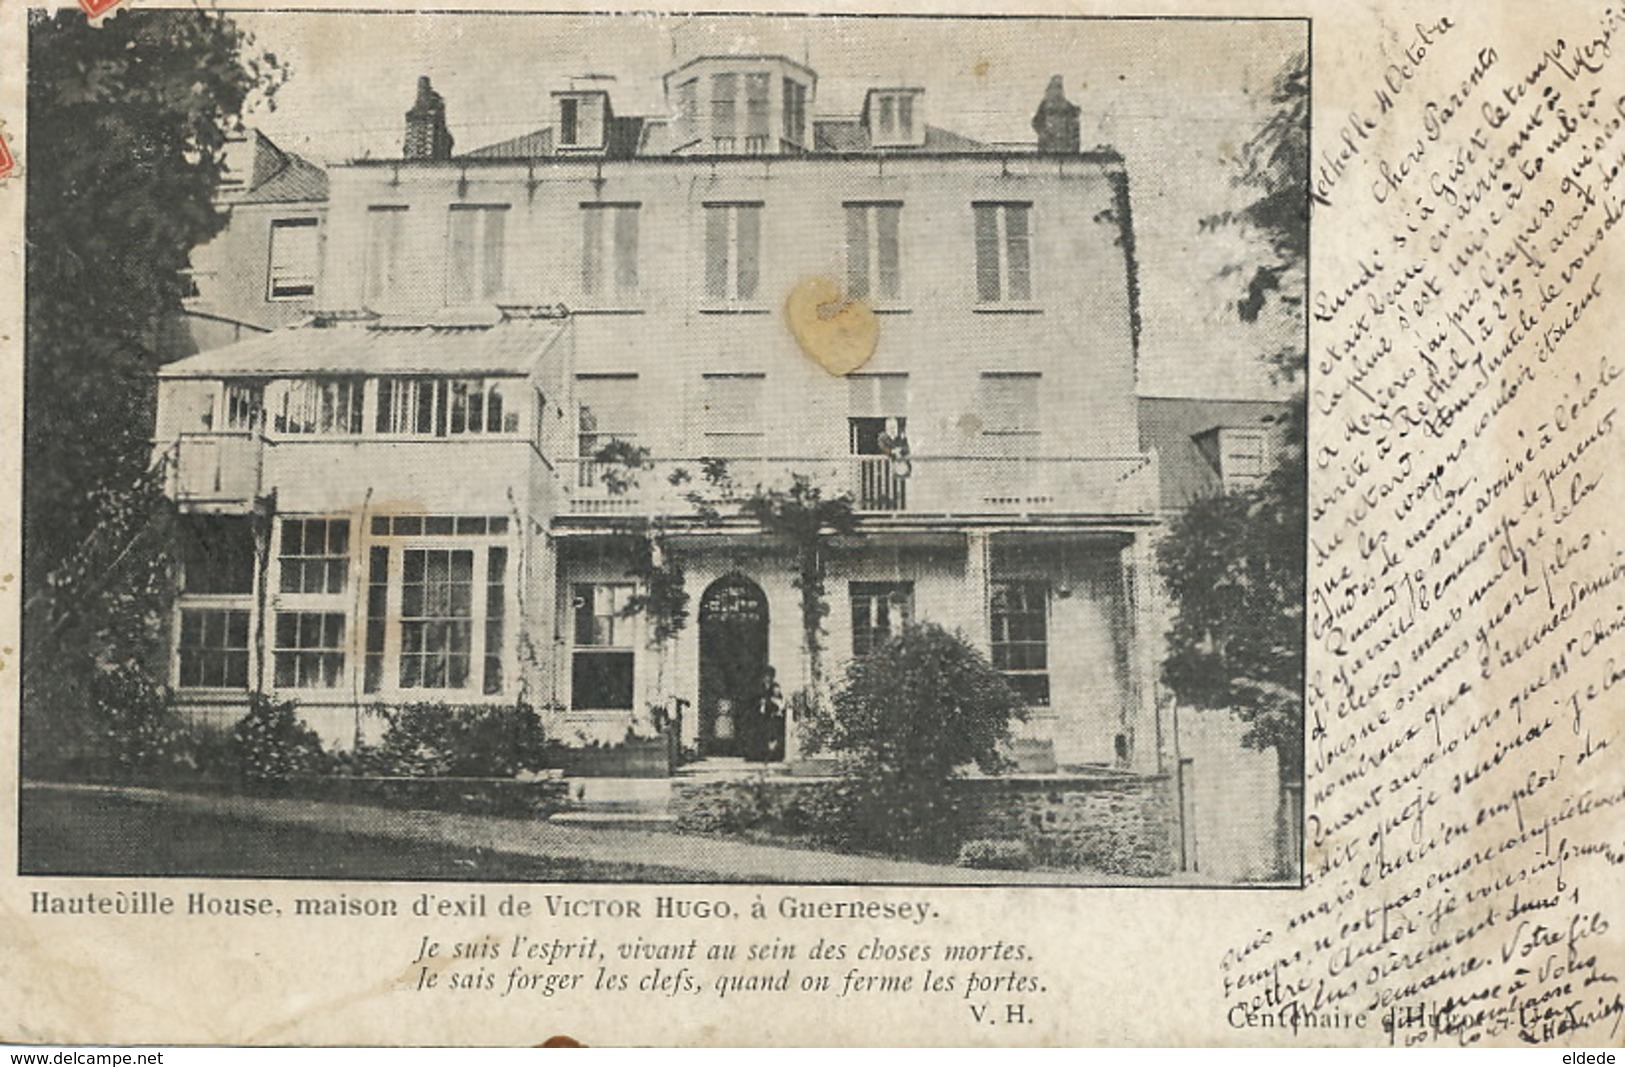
(518, 368)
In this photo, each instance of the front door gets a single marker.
(733, 666)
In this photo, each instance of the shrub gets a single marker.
(819, 811)
(212, 752)
(434, 740)
(272, 744)
(139, 732)
(911, 714)
(726, 807)
(989, 855)
(812, 812)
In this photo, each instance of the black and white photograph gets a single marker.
(505, 447)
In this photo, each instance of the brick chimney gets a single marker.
(1056, 121)
(426, 133)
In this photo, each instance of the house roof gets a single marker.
(510, 346)
(850, 135)
(630, 136)
(296, 180)
(526, 146)
(275, 176)
(623, 141)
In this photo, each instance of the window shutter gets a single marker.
(626, 248)
(750, 241)
(987, 253)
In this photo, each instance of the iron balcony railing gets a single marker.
(925, 485)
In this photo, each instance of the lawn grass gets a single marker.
(65, 833)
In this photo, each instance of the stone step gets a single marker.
(619, 794)
(728, 767)
(618, 803)
(619, 820)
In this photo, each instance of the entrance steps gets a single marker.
(628, 803)
(725, 767)
(645, 803)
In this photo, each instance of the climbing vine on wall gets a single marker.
(801, 515)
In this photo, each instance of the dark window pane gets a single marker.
(217, 554)
(213, 650)
(436, 623)
(601, 680)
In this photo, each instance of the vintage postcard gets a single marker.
(898, 526)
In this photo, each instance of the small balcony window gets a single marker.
(732, 415)
(873, 252)
(609, 250)
(386, 251)
(475, 254)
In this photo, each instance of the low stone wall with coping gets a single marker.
(1109, 821)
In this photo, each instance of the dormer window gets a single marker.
(893, 118)
(1241, 456)
(569, 122)
(584, 117)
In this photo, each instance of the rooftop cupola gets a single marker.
(741, 105)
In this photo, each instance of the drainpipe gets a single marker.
(264, 512)
(360, 555)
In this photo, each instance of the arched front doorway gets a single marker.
(733, 669)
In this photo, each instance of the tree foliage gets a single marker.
(128, 123)
(1234, 563)
(1234, 567)
(1273, 167)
